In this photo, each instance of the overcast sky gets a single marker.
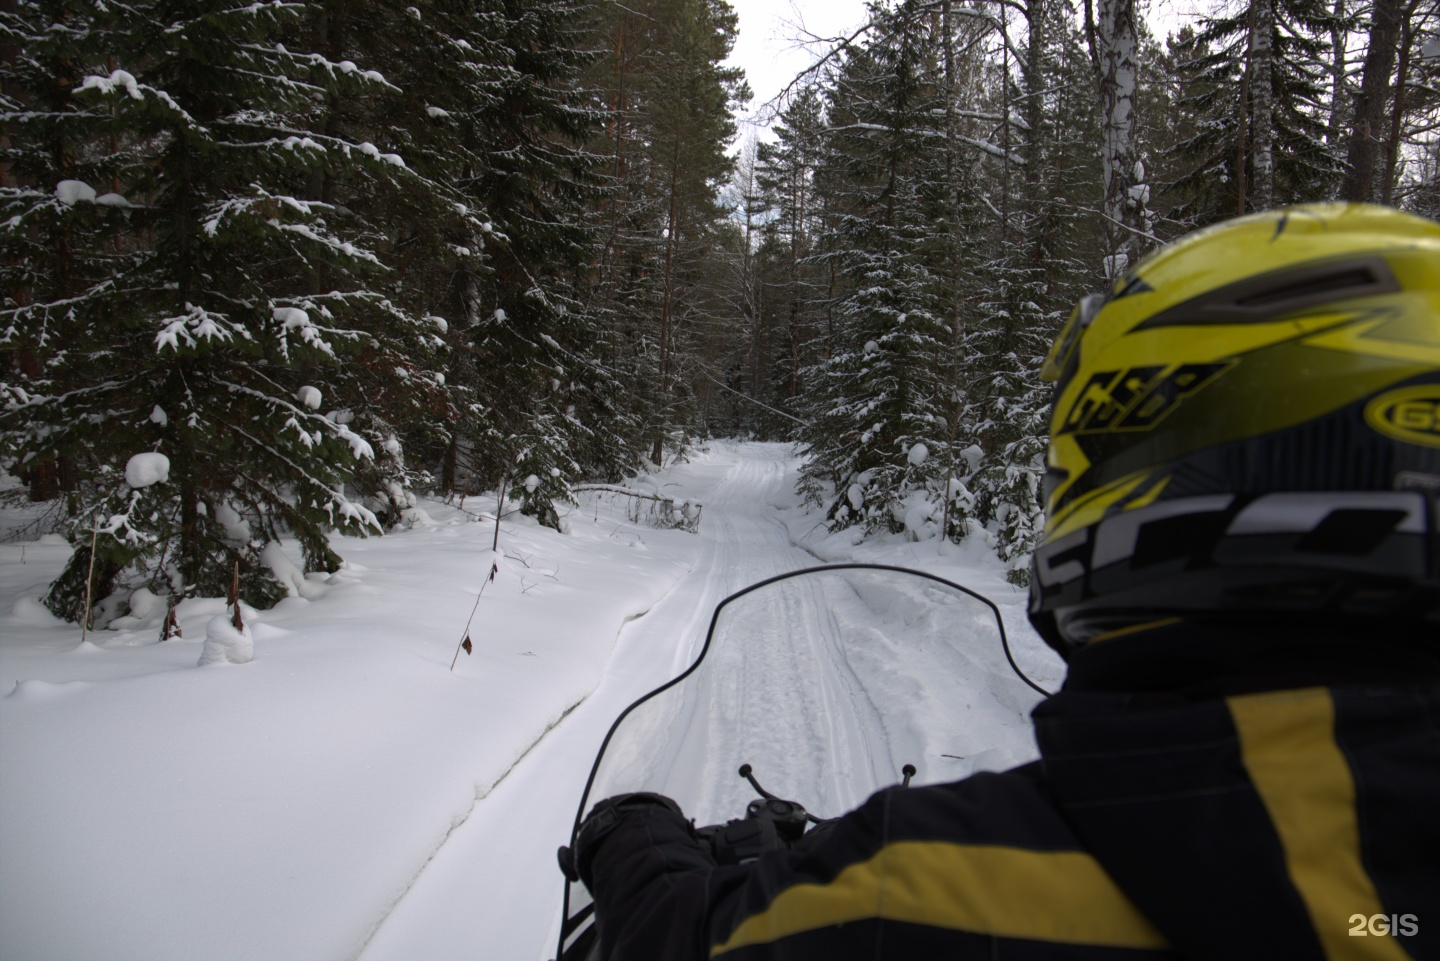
(771, 46)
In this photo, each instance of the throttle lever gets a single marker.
(790, 817)
(747, 772)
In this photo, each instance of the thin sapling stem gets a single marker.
(89, 580)
(465, 644)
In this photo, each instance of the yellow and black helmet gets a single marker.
(1248, 426)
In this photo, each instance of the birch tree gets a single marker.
(1121, 170)
(1262, 91)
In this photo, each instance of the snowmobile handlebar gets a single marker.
(770, 823)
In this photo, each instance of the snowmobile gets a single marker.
(828, 684)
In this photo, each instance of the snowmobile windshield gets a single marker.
(827, 682)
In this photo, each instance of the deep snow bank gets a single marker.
(153, 809)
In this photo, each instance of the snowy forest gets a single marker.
(273, 269)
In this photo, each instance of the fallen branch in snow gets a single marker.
(803, 423)
(665, 512)
(616, 489)
(814, 529)
(525, 561)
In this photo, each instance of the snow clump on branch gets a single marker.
(143, 470)
(72, 192)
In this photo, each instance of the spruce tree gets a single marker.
(670, 98)
(62, 238)
(876, 409)
(529, 368)
(273, 397)
(796, 288)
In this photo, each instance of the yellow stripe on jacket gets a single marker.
(1287, 742)
(1060, 896)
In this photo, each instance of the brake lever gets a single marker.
(789, 816)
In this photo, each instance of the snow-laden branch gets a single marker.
(345, 248)
(195, 325)
(347, 508)
(359, 446)
(124, 80)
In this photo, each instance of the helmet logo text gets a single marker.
(1410, 414)
(1136, 398)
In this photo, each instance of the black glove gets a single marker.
(601, 820)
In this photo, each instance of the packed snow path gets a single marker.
(831, 685)
(494, 887)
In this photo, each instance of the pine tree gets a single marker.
(796, 294)
(670, 123)
(1029, 279)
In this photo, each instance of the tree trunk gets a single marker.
(657, 452)
(448, 464)
(1034, 108)
(1263, 94)
(1370, 101)
(797, 224)
(952, 186)
(1333, 132)
(1117, 42)
(1397, 115)
(1242, 137)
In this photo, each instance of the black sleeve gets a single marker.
(660, 895)
(649, 883)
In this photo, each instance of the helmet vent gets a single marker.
(1169, 538)
(1272, 295)
(1349, 283)
(1356, 532)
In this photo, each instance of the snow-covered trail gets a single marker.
(492, 891)
(357, 792)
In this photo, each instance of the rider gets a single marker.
(1241, 564)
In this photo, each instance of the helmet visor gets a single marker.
(1064, 356)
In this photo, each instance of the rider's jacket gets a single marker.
(1290, 824)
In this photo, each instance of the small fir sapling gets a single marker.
(171, 627)
(89, 581)
(227, 638)
(465, 643)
